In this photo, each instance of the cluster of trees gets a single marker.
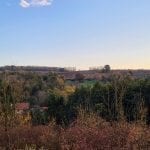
(119, 98)
(33, 88)
(122, 98)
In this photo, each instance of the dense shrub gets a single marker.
(36, 137)
(91, 132)
(88, 132)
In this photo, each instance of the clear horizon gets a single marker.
(80, 33)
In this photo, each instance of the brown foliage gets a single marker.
(22, 137)
(88, 132)
(91, 132)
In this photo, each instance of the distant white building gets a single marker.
(96, 68)
(70, 68)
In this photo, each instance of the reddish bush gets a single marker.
(93, 133)
(89, 132)
(21, 137)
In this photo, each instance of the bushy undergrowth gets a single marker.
(34, 137)
(91, 132)
(88, 132)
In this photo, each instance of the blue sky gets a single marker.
(81, 33)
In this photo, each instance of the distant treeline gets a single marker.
(30, 68)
